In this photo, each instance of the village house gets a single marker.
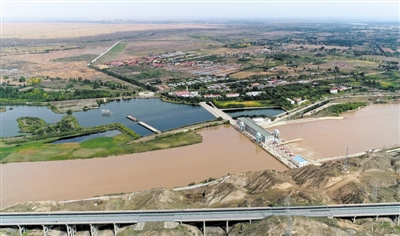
(232, 95)
(212, 96)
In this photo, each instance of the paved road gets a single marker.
(217, 112)
(195, 215)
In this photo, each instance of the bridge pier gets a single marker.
(46, 230)
(116, 227)
(71, 230)
(376, 218)
(204, 228)
(396, 220)
(21, 230)
(227, 226)
(354, 219)
(93, 230)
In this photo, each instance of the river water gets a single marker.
(374, 126)
(270, 112)
(161, 115)
(223, 150)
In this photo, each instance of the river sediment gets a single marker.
(223, 151)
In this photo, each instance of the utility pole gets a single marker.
(374, 194)
(346, 161)
(289, 217)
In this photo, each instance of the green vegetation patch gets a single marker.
(240, 104)
(96, 147)
(138, 73)
(83, 57)
(37, 126)
(117, 49)
(12, 95)
(387, 81)
(335, 110)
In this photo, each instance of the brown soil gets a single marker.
(40, 30)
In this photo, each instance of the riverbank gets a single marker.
(179, 130)
(164, 99)
(372, 127)
(96, 147)
(304, 120)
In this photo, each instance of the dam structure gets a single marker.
(144, 124)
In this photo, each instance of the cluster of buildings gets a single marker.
(200, 80)
(204, 68)
(165, 60)
(339, 89)
(298, 101)
(186, 62)
(262, 136)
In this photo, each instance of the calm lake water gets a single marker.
(110, 133)
(161, 115)
(270, 112)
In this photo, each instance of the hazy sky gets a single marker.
(198, 10)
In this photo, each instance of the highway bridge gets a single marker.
(200, 217)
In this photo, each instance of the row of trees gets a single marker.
(9, 93)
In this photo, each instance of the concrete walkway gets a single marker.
(217, 112)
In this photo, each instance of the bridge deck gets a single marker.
(195, 215)
(151, 128)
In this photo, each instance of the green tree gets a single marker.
(96, 85)
(69, 112)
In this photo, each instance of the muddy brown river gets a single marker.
(223, 151)
(375, 126)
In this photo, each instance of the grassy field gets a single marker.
(83, 57)
(97, 147)
(238, 104)
(110, 55)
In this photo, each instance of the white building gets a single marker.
(258, 120)
(232, 95)
(260, 134)
(146, 94)
(299, 161)
(252, 94)
(290, 100)
(333, 91)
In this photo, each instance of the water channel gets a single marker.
(223, 151)
(109, 133)
(270, 112)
